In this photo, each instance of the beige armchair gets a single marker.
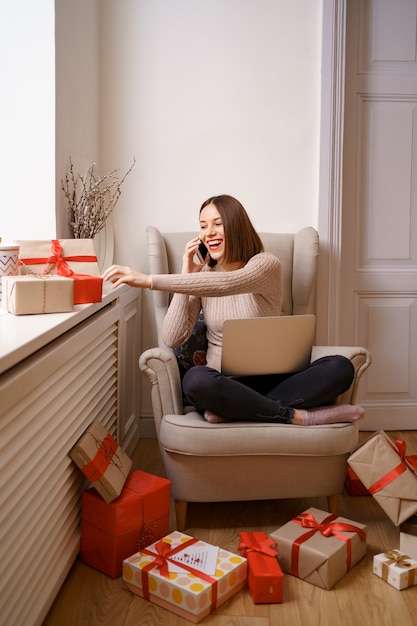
(240, 460)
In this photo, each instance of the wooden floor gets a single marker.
(89, 598)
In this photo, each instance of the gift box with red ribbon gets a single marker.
(396, 568)
(187, 576)
(72, 258)
(112, 532)
(353, 485)
(408, 537)
(320, 548)
(265, 577)
(102, 461)
(389, 475)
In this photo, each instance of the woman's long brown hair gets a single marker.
(242, 241)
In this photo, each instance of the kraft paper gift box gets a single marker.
(396, 568)
(102, 461)
(353, 485)
(72, 258)
(265, 576)
(112, 532)
(408, 537)
(320, 548)
(24, 295)
(388, 474)
(189, 577)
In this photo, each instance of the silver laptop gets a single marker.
(267, 345)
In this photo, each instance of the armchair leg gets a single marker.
(333, 504)
(181, 513)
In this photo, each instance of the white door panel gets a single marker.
(378, 303)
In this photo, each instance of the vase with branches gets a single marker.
(90, 199)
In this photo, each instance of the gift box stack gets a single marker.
(53, 276)
(390, 476)
(122, 512)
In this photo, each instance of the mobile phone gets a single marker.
(202, 252)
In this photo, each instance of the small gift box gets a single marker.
(396, 568)
(265, 577)
(23, 295)
(189, 577)
(320, 548)
(102, 461)
(353, 485)
(388, 474)
(111, 532)
(72, 258)
(408, 537)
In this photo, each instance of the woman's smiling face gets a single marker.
(212, 232)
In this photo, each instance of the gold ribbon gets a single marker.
(401, 560)
(395, 557)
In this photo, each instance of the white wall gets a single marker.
(211, 97)
(77, 93)
(215, 96)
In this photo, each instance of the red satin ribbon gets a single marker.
(57, 258)
(402, 467)
(163, 554)
(266, 546)
(102, 459)
(327, 528)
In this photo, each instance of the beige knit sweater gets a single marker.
(252, 291)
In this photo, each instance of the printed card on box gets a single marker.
(320, 548)
(396, 568)
(187, 576)
(102, 461)
(389, 475)
(265, 577)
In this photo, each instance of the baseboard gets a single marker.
(147, 427)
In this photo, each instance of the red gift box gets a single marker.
(138, 517)
(87, 288)
(265, 577)
(353, 484)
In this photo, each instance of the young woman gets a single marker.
(239, 280)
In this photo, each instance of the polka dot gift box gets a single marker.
(185, 575)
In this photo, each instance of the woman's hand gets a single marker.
(118, 275)
(188, 264)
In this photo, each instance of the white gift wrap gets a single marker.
(396, 568)
(23, 295)
(408, 537)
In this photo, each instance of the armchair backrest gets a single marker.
(297, 252)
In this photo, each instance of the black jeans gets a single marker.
(269, 398)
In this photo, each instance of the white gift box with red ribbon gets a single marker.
(72, 258)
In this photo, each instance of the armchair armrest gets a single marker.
(360, 358)
(161, 368)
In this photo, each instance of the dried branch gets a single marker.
(91, 199)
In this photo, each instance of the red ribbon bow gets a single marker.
(57, 258)
(407, 462)
(266, 546)
(163, 554)
(327, 528)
